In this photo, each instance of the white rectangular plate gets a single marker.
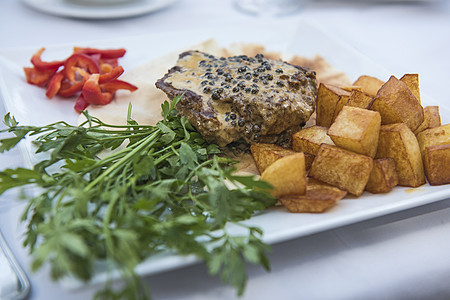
(29, 105)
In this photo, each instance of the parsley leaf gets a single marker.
(157, 188)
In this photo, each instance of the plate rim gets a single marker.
(65, 9)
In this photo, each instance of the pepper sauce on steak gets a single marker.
(253, 99)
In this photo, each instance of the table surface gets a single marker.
(398, 256)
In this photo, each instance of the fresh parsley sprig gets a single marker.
(159, 188)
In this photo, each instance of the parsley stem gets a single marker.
(114, 167)
(161, 191)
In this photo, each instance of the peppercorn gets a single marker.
(215, 95)
(261, 69)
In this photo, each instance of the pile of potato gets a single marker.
(370, 136)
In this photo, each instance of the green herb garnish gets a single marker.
(160, 188)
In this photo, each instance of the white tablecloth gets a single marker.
(399, 256)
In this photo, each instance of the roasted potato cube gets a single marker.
(383, 177)
(412, 81)
(309, 158)
(356, 129)
(347, 170)
(350, 88)
(369, 84)
(265, 154)
(437, 164)
(431, 119)
(328, 97)
(319, 197)
(433, 115)
(308, 140)
(287, 175)
(396, 104)
(359, 99)
(398, 142)
(434, 136)
(341, 103)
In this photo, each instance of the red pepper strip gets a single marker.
(95, 57)
(54, 85)
(105, 68)
(68, 89)
(82, 72)
(92, 93)
(106, 64)
(80, 104)
(111, 75)
(38, 77)
(79, 60)
(109, 53)
(114, 62)
(43, 65)
(116, 84)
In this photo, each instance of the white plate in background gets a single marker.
(74, 9)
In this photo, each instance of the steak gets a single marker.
(241, 98)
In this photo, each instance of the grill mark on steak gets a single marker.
(241, 98)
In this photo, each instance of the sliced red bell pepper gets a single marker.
(80, 104)
(113, 62)
(38, 77)
(54, 85)
(113, 74)
(106, 77)
(68, 89)
(106, 67)
(82, 61)
(108, 53)
(43, 65)
(116, 84)
(93, 94)
(93, 72)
